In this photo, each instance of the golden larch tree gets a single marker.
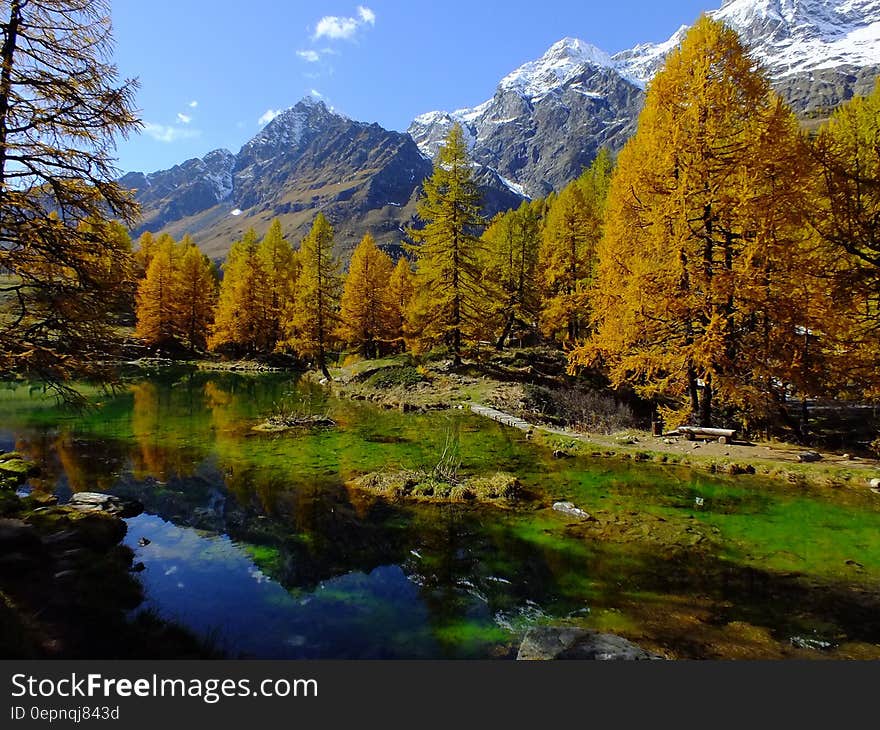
(401, 289)
(366, 315)
(195, 294)
(846, 217)
(240, 308)
(313, 314)
(157, 299)
(448, 250)
(278, 265)
(512, 242)
(694, 300)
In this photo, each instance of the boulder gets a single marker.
(99, 531)
(809, 456)
(100, 502)
(15, 469)
(550, 642)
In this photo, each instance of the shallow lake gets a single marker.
(257, 545)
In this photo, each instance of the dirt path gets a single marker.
(701, 453)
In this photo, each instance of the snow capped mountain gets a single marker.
(564, 61)
(639, 64)
(797, 36)
(546, 118)
(576, 96)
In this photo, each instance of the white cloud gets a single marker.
(168, 133)
(336, 27)
(193, 104)
(268, 116)
(317, 94)
(183, 118)
(309, 55)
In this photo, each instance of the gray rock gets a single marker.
(809, 456)
(569, 509)
(549, 642)
(100, 502)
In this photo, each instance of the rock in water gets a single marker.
(569, 509)
(100, 502)
(549, 642)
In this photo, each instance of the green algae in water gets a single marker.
(393, 580)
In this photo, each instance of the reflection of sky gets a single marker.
(211, 585)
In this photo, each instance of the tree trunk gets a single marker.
(706, 404)
(506, 333)
(693, 392)
(7, 58)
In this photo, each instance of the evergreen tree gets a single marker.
(449, 255)
(313, 314)
(366, 316)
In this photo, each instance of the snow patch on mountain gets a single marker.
(564, 61)
(640, 63)
(786, 36)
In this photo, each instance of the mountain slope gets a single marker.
(547, 118)
(309, 158)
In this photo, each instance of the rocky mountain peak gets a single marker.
(563, 61)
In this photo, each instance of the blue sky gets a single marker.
(212, 71)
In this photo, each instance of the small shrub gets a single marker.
(394, 377)
(589, 410)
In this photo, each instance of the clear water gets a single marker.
(257, 544)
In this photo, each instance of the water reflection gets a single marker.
(256, 540)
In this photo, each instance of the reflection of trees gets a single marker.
(85, 465)
(161, 430)
(90, 466)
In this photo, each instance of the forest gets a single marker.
(724, 267)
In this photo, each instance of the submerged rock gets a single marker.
(100, 502)
(569, 509)
(550, 642)
(420, 485)
(282, 424)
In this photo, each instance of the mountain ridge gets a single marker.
(543, 125)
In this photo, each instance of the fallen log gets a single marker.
(723, 435)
